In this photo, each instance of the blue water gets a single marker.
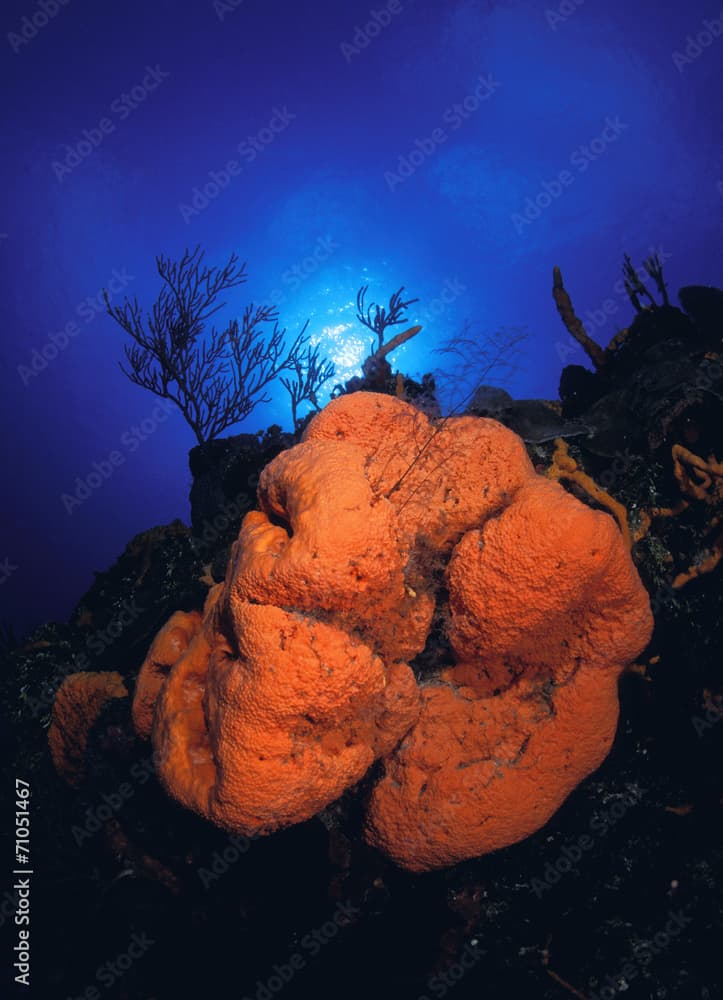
(458, 149)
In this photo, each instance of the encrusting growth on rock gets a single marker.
(305, 666)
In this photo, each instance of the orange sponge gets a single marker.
(375, 531)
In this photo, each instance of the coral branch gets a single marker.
(704, 472)
(700, 480)
(574, 323)
(395, 342)
(564, 466)
(707, 565)
(216, 380)
(377, 318)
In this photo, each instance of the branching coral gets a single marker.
(635, 286)
(379, 319)
(310, 372)
(215, 379)
(636, 290)
(699, 480)
(377, 372)
(704, 565)
(379, 526)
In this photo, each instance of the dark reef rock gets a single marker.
(422, 394)
(112, 626)
(704, 305)
(225, 476)
(653, 335)
(535, 420)
(156, 571)
(579, 388)
(666, 365)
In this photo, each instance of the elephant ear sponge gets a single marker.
(546, 609)
(293, 682)
(386, 539)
